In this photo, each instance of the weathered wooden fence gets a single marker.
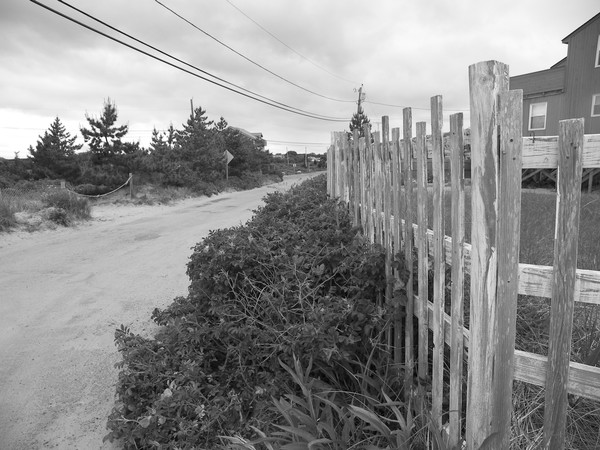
(378, 178)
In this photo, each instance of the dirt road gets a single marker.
(63, 293)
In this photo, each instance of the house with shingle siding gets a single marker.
(570, 89)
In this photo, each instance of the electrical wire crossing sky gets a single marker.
(286, 69)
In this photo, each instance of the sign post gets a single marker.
(228, 157)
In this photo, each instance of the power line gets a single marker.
(421, 109)
(267, 102)
(286, 45)
(177, 59)
(271, 141)
(248, 59)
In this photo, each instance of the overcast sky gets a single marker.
(314, 55)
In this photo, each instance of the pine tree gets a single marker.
(54, 153)
(103, 136)
(221, 124)
(358, 121)
(199, 143)
(158, 143)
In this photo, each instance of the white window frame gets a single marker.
(545, 116)
(598, 53)
(595, 98)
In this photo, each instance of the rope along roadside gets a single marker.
(107, 193)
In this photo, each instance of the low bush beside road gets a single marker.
(295, 285)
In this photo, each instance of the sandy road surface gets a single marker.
(63, 293)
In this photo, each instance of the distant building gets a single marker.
(570, 89)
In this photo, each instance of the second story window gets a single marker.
(537, 116)
(598, 53)
(596, 105)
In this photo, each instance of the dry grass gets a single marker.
(36, 206)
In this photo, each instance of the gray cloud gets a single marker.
(404, 52)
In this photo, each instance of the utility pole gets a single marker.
(360, 99)
(192, 107)
(305, 159)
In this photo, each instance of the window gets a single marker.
(598, 53)
(537, 116)
(596, 105)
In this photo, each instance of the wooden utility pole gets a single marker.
(192, 107)
(360, 99)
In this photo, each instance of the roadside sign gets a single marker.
(228, 156)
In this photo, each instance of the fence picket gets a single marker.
(346, 164)
(370, 162)
(439, 264)
(486, 81)
(510, 119)
(356, 192)
(458, 271)
(423, 251)
(397, 233)
(570, 147)
(378, 181)
(396, 188)
(408, 250)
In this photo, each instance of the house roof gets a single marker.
(253, 136)
(549, 81)
(566, 39)
(561, 63)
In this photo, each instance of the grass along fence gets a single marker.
(376, 177)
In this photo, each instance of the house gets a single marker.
(570, 89)
(257, 138)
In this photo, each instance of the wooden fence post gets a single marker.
(439, 260)
(356, 188)
(370, 186)
(408, 249)
(131, 190)
(332, 166)
(396, 191)
(510, 122)
(570, 147)
(363, 164)
(422, 199)
(329, 170)
(335, 188)
(486, 81)
(378, 189)
(343, 158)
(458, 276)
(387, 209)
(396, 195)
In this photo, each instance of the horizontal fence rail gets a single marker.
(380, 178)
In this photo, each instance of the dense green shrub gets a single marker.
(75, 206)
(295, 280)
